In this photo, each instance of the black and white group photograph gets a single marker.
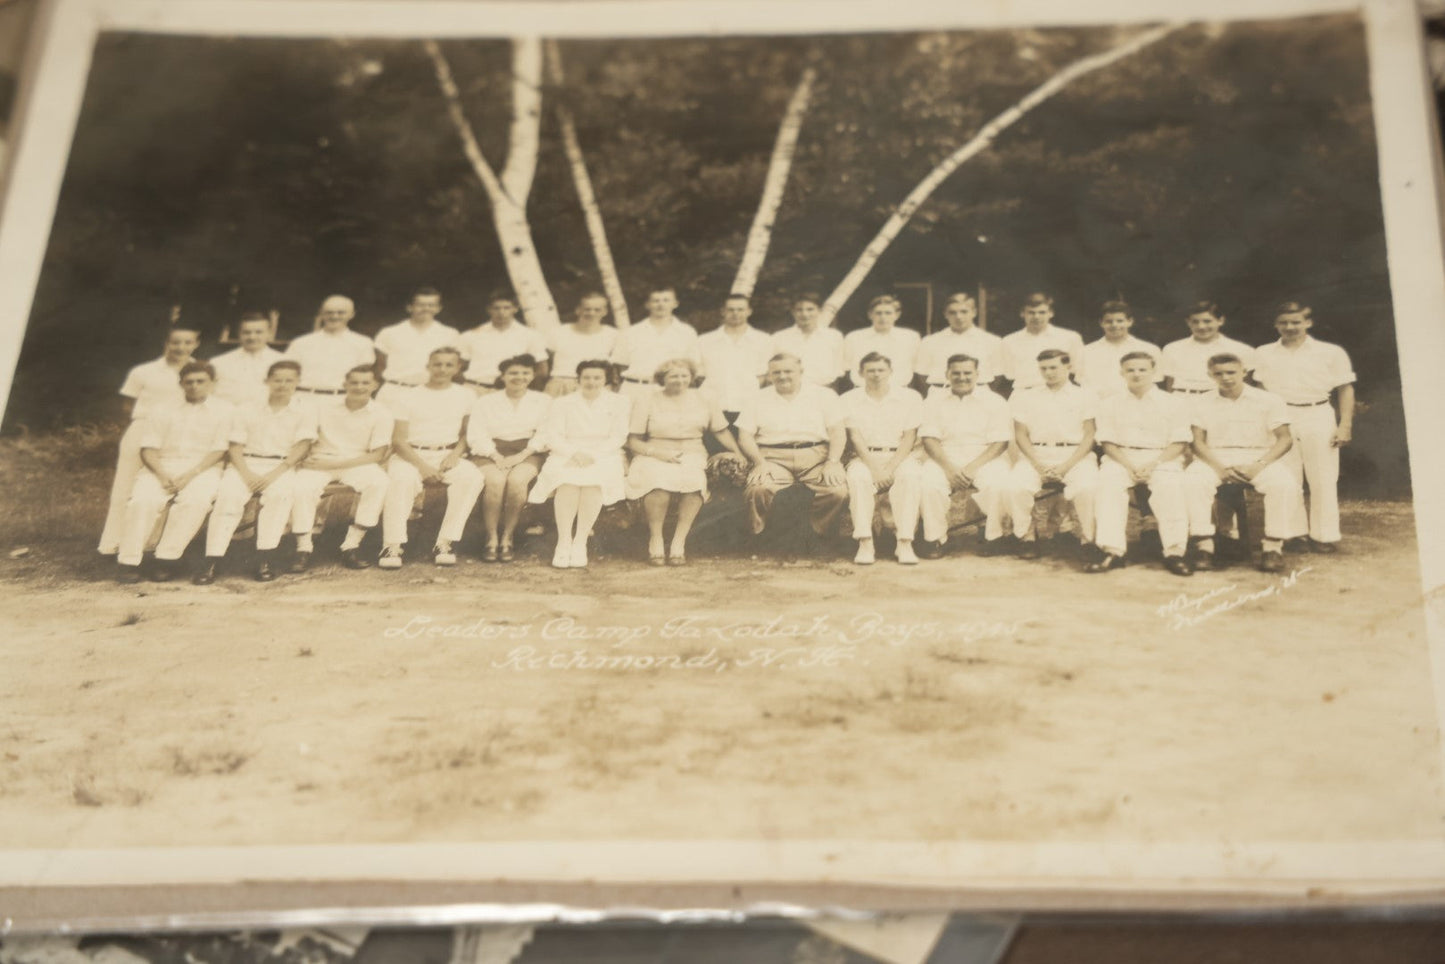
(989, 437)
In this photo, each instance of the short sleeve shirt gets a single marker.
(734, 363)
(571, 347)
(499, 416)
(1101, 361)
(326, 358)
(262, 430)
(642, 347)
(1153, 421)
(808, 416)
(1246, 422)
(1305, 374)
(241, 374)
(408, 349)
(153, 386)
(189, 431)
(1187, 361)
(979, 418)
(1021, 352)
(434, 416)
(344, 433)
(898, 345)
(881, 422)
(690, 415)
(936, 349)
(486, 347)
(1054, 417)
(820, 351)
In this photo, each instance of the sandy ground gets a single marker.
(737, 698)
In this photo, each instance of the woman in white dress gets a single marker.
(669, 457)
(584, 435)
(501, 434)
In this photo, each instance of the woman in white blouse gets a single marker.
(669, 457)
(501, 434)
(584, 435)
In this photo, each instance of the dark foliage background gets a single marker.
(1235, 162)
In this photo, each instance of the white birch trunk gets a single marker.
(980, 142)
(596, 229)
(760, 235)
(508, 192)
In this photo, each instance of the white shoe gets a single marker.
(562, 558)
(390, 558)
(579, 554)
(865, 556)
(443, 555)
(906, 556)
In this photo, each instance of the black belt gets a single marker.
(404, 384)
(791, 445)
(881, 448)
(637, 381)
(1068, 445)
(473, 381)
(1193, 391)
(253, 455)
(434, 448)
(322, 391)
(1147, 448)
(1307, 404)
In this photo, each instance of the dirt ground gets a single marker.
(737, 698)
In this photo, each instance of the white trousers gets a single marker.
(148, 499)
(990, 486)
(903, 495)
(1314, 459)
(127, 467)
(1080, 487)
(1166, 499)
(1283, 499)
(231, 499)
(404, 484)
(369, 481)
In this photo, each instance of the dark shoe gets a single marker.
(1204, 562)
(128, 575)
(1178, 566)
(1297, 544)
(1324, 548)
(300, 563)
(1030, 549)
(993, 547)
(505, 554)
(351, 559)
(163, 571)
(930, 550)
(264, 572)
(1271, 562)
(205, 575)
(1105, 562)
(491, 554)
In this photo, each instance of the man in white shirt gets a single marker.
(429, 444)
(1186, 361)
(1241, 433)
(1021, 348)
(352, 440)
(965, 432)
(735, 356)
(1145, 432)
(1099, 367)
(898, 345)
(1307, 373)
(818, 347)
(181, 448)
(485, 347)
(403, 349)
(882, 422)
(587, 339)
(646, 344)
(241, 373)
(1054, 429)
(147, 389)
(961, 337)
(332, 350)
(268, 439)
(793, 433)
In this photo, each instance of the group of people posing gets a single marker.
(588, 414)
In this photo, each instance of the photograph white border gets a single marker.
(51, 97)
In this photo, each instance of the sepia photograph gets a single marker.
(978, 441)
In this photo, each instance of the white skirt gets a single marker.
(606, 472)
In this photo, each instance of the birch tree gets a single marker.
(977, 145)
(760, 235)
(507, 190)
(592, 213)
